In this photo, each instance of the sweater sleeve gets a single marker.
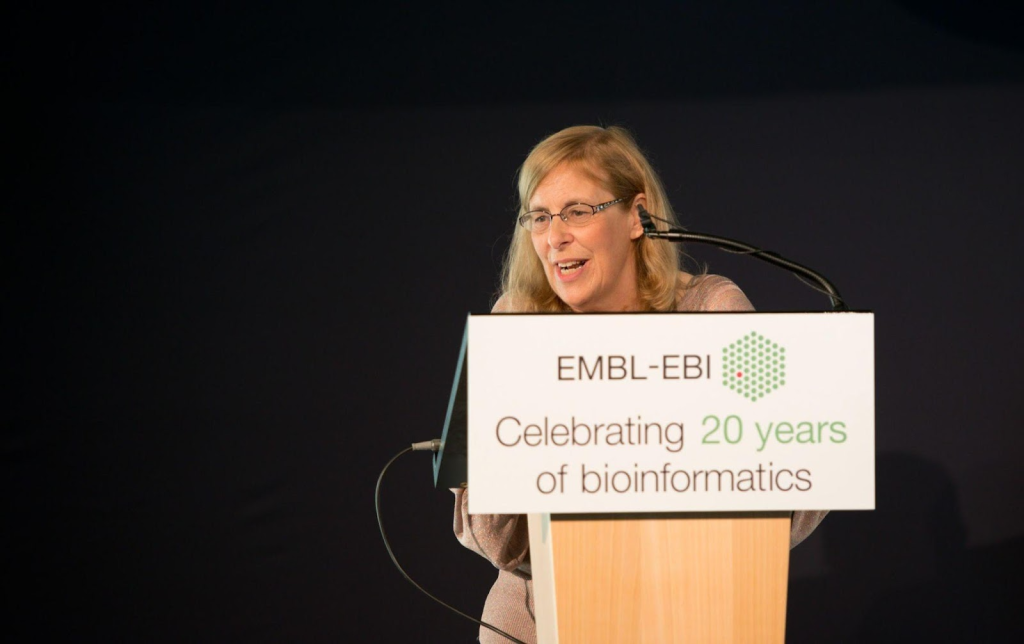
(502, 539)
(804, 523)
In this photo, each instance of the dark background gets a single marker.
(242, 243)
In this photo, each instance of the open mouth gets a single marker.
(567, 268)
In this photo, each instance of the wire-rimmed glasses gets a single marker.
(577, 214)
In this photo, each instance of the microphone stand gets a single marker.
(678, 235)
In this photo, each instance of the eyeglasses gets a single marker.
(579, 214)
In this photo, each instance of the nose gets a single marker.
(559, 234)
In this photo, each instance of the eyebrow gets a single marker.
(571, 202)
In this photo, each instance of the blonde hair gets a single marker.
(612, 158)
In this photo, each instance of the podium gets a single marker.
(666, 578)
(622, 563)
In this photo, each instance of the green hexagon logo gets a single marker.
(753, 366)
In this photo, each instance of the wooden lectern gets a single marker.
(658, 575)
(660, 578)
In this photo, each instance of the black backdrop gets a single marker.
(242, 245)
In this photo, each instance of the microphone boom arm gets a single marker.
(677, 235)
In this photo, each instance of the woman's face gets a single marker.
(591, 268)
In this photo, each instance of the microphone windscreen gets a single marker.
(645, 220)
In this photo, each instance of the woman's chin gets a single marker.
(573, 298)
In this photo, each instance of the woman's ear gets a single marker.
(636, 229)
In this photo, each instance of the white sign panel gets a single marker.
(671, 412)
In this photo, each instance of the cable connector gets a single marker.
(431, 445)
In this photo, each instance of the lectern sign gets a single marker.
(671, 412)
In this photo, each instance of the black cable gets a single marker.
(678, 235)
(380, 524)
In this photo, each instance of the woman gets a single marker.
(579, 247)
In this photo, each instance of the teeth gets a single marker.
(568, 267)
